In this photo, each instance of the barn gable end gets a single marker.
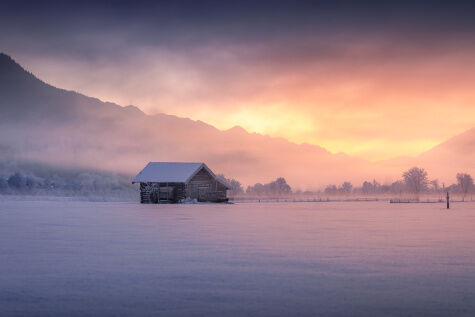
(205, 187)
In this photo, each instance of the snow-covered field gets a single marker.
(65, 258)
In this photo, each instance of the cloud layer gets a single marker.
(372, 80)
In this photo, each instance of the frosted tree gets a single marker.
(416, 180)
(397, 187)
(331, 189)
(346, 188)
(277, 187)
(3, 183)
(236, 187)
(280, 186)
(367, 187)
(377, 188)
(465, 182)
(435, 186)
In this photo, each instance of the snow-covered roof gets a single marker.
(170, 172)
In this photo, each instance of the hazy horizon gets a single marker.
(324, 93)
(44, 124)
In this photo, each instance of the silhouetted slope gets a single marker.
(457, 154)
(461, 146)
(443, 161)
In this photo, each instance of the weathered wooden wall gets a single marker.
(204, 187)
(161, 192)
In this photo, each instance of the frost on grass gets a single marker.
(20, 180)
(66, 258)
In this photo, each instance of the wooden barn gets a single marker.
(170, 182)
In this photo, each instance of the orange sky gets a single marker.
(374, 100)
(372, 79)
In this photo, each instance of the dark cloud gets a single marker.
(88, 28)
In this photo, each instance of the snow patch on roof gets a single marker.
(172, 172)
(168, 172)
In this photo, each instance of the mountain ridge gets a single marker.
(49, 124)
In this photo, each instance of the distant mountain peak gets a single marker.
(4, 56)
(11, 72)
(237, 128)
(134, 109)
(6, 62)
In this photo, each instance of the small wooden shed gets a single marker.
(171, 182)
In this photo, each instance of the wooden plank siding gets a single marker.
(161, 192)
(202, 187)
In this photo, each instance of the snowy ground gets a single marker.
(65, 258)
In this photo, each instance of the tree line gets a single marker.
(68, 183)
(37, 180)
(279, 187)
(413, 181)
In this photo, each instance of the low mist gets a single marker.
(52, 127)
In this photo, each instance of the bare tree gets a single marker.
(346, 188)
(397, 187)
(234, 185)
(278, 187)
(376, 186)
(367, 187)
(465, 182)
(331, 189)
(416, 180)
(436, 187)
